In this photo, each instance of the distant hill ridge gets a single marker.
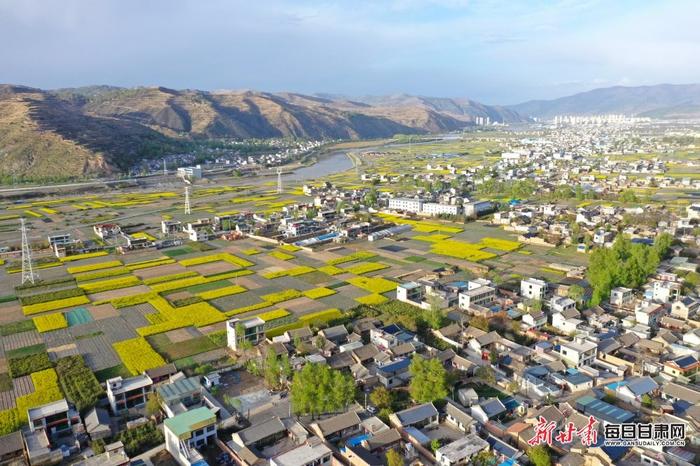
(658, 101)
(104, 129)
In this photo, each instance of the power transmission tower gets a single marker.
(188, 209)
(279, 180)
(28, 274)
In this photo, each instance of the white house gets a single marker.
(621, 296)
(533, 288)
(252, 330)
(187, 432)
(481, 295)
(578, 352)
(406, 204)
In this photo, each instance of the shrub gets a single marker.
(27, 364)
(17, 327)
(113, 272)
(500, 244)
(431, 238)
(277, 331)
(331, 270)
(109, 285)
(243, 310)
(221, 292)
(273, 315)
(198, 314)
(251, 251)
(293, 272)
(49, 322)
(140, 438)
(366, 267)
(45, 284)
(321, 316)
(50, 296)
(281, 296)
(137, 355)
(9, 421)
(150, 263)
(281, 255)
(46, 390)
(53, 305)
(224, 256)
(373, 284)
(78, 382)
(92, 267)
(461, 250)
(133, 300)
(168, 278)
(187, 301)
(355, 256)
(320, 292)
(87, 255)
(290, 248)
(372, 299)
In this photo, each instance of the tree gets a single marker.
(484, 458)
(535, 305)
(539, 455)
(647, 401)
(98, 446)
(627, 196)
(515, 326)
(479, 322)
(271, 370)
(393, 458)
(435, 445)
(428, 379)
(513, 386)
(318, 389)
(381, 397)
(625, 264)
(152, 404)
(576, 292)
(434, 316)
(486, 374)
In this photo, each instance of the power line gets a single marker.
(188, 209)
(28, 274)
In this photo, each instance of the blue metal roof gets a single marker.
(392, 329)
(358, 439)
(396, 366)
(603, 410)
(685, 361)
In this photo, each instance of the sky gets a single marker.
(496, 52)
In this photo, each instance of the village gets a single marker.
(491, 298)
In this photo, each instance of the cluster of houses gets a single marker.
(553, 225)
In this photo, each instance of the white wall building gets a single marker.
(579, 352)
(533, 288)
(407, 204)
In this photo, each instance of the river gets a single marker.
(334, 163)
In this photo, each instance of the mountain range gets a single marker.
(102, 130)
(659, 101)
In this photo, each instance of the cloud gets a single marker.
(499, 51)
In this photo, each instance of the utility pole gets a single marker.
(279, 180)
(165, 167)
(28, 274)
(188, 209)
